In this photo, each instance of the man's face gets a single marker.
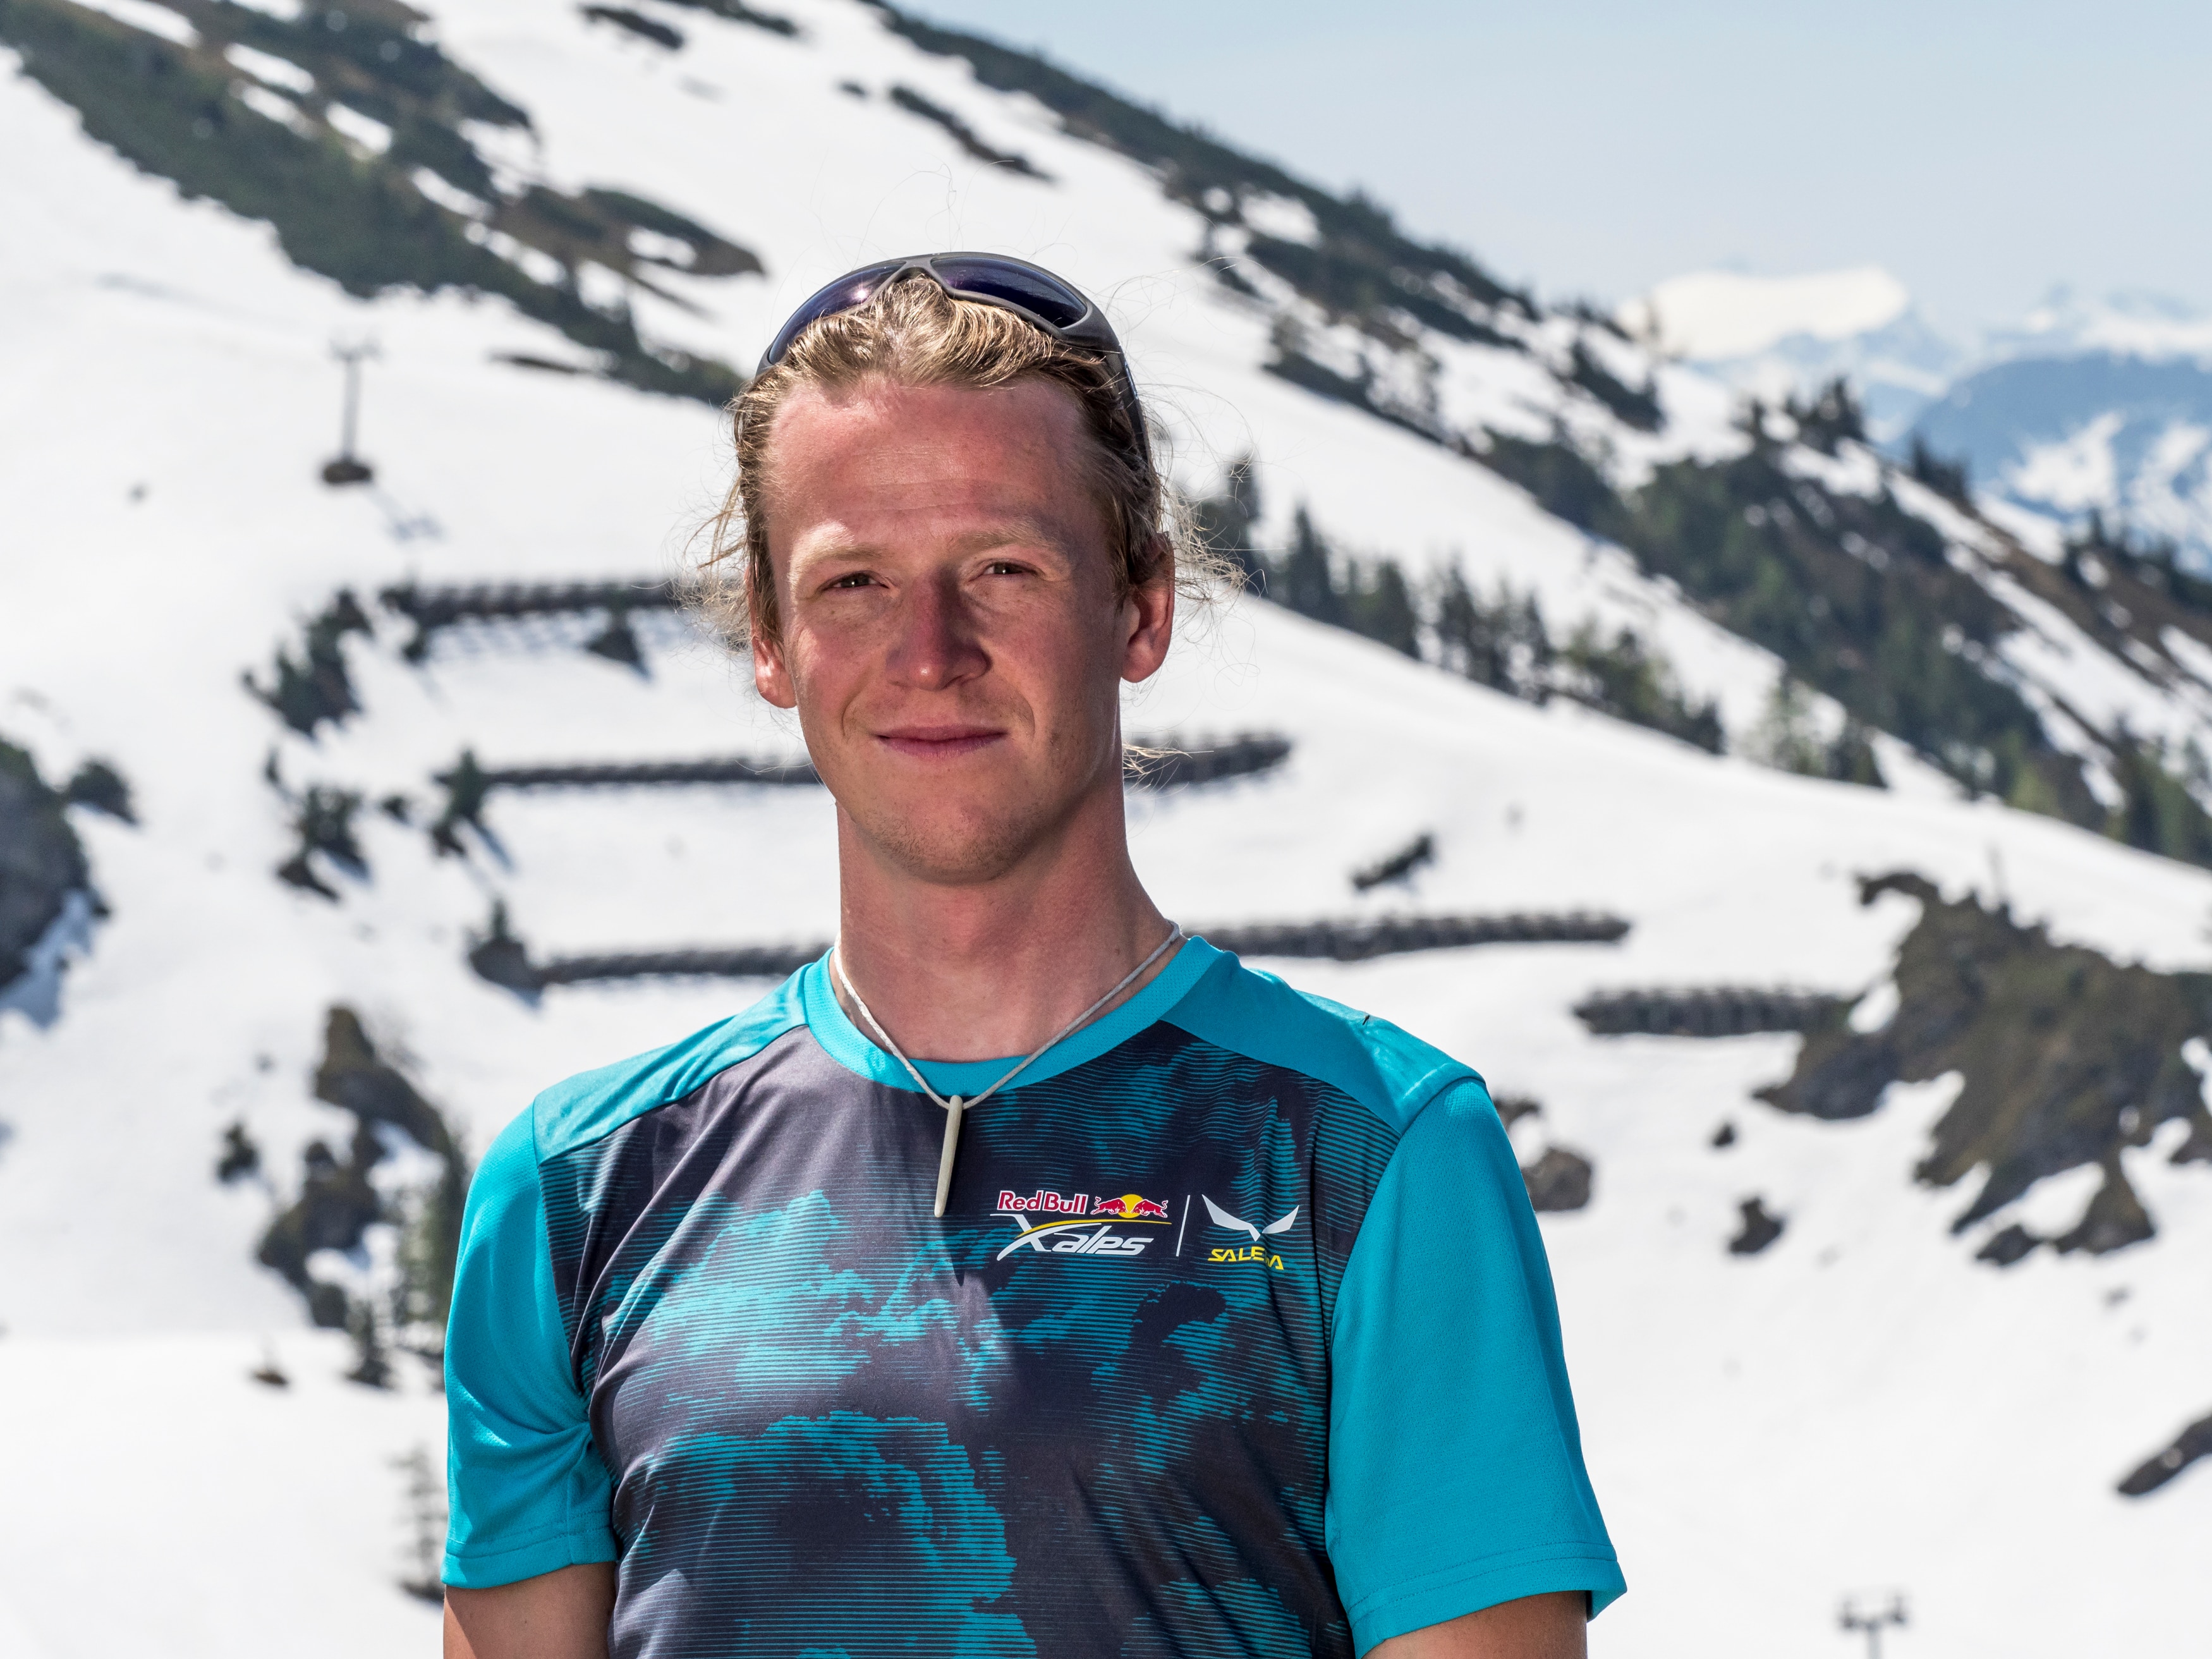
(950, 634)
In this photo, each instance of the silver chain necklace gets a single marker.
(956, 1105)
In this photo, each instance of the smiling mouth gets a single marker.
(939, 742)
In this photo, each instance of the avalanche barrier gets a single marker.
(1154, 763)
(503, 960)
(433, 608)
(1720, 1012)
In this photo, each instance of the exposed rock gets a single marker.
(338, 1202)
(1724, 1137)
(336, 1206)
(2011, 1244)
(1560, 1180)
(41, 861)
(1760, 1228)
(240, 1158)
(1399, 865)
(352, 1076)
(1512, 1108)
(2115, 1218)
(2066, 1056)
(100, 787)
(644, 27)
(2191, 1443)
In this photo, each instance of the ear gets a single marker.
(1148, 614)
(771, 669)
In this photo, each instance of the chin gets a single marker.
(952, 848)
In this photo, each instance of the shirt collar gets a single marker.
(850, 1048)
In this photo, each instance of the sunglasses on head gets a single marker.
(1031, 292)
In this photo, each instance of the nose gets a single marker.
(935, 646)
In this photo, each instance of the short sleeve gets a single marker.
(1455, 1477)
(527, 1490)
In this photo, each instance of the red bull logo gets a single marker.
(1131, 1207)
(1045, 1201)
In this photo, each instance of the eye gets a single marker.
(854, 578)
(1004, 567)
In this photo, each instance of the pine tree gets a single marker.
(466, 788)
(426, 1524)
(372, 1358)
(1308, 584)
(1382, 609)
(1226, 522)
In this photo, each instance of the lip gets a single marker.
(939, 742)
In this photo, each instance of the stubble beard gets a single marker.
(958, 849)
(975, 832)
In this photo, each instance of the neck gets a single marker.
(995, 968)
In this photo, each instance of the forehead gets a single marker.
(859, 457)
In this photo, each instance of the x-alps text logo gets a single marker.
(1054, 1222)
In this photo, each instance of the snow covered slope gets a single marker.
(1861, 1403)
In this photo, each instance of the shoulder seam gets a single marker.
(1434, 1087)
(1437, 1084)
(610, 1084)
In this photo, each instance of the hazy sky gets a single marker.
(1981, 151)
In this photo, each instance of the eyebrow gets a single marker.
(1005, 532)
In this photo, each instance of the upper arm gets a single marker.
(527, 1490)
(1534, 1627)
(557, 1615)
(1456, 1470)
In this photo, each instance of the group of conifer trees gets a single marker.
(1500, 639)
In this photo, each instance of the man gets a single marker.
(1023, 1277)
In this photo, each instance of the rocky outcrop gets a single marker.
(338, 1200)
(2067, 1059)
(1557, 1180)
(41, 861)
(2191, 1443)
(1757, 1228)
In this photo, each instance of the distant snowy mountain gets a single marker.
(2093, 407)
(1868, 1121)
(2085, 405)
(1775, 337)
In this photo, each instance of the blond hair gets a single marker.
(912, 332)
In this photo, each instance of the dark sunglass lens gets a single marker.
(848, 293)
(1034, 292)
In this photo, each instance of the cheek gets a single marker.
(1061, 644)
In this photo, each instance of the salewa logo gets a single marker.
(1257, 1250)
(1094, 1226)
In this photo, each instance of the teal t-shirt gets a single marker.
(1236, 1338)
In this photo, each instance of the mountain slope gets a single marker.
(169, 402)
